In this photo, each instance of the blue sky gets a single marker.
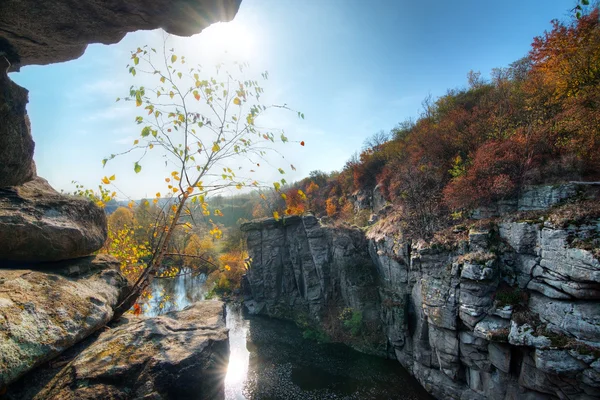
(353, 67)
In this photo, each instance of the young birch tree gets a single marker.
(207, 130)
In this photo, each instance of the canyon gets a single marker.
(507, 307)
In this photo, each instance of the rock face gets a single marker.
(43, 313)
(33, 32)
(531, 199)
(180, 355)
(39, 224)
(16, 143)
(496, 311)
(303, 271)
(505, 311)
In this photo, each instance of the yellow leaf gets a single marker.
(157, 194)
(105, 181)
(276, 215)
(171, 94)
(216, 148)
(237, 101)
(196, 95)
(173, 58)
(112, 178)
(135, 142)
(138, 102)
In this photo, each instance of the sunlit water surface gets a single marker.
(270, 360)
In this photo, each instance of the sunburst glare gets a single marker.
(233, 39)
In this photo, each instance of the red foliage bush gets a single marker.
(496, 172)
(536, 121)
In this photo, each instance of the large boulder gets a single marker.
(180, 355)
(44, 32)
(42, 313)
(16, 143)
(39, 224)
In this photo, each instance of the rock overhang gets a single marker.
(34, 32)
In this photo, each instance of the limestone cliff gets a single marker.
(304, 271)
(506, 308)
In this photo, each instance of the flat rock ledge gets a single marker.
(42, 313)
(179, 355)
(38, 224)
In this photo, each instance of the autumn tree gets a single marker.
(122, 243)
(207, 129)
(120, 219)
(330, 207)
(296, 202)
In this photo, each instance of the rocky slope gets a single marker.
(44, 312)
(180, 355)
(508, 308)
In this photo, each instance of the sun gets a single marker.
(227, 38)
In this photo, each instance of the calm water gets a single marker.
(269, 359)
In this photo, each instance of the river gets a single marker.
(270, 360)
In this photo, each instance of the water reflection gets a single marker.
(269, 359)
(178, 292)
(239, 356)
(283, 365)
